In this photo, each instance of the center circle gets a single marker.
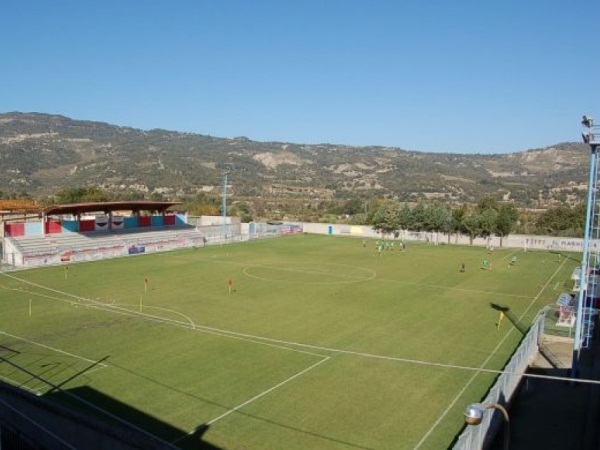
(310, 273)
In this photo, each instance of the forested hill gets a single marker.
(41, 154)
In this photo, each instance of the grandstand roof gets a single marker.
(105, 207)
(18, 205)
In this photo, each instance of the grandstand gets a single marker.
(91, 231)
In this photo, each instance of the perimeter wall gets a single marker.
(512, 241)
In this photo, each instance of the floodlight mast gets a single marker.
(224, 207)
(587, 291)
(588, 136)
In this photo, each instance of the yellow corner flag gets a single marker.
(500, 320)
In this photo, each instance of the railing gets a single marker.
(480, 436)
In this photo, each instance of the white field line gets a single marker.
(290, 269)
(450, 288)
(358, 279)
(372, 276)
(124, 311)
(52, 349)
(280, 343)
(277, 343)
(256, 397)
(97, 365)
(21, 385)
(262, 394)
(510, 255)
(189, 319)
(191, 323)
(474, 376)
(273, 280)
(343, 279)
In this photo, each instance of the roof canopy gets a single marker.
(106, 207)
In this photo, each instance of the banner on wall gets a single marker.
(136, 249)
(290, 228)
(118, 222)
(101, 223)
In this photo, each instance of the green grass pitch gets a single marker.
(319, 342)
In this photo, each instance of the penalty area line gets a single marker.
(256, 397)
(72, 355)
(262, 394)
(21, 385)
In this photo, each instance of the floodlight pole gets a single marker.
(224, 207)
(589, 138)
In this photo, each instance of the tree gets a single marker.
(562, 221)
(471, 226)
(506, 221)
(387, 219)
(439, 220)
(486, 204)
(458, 216)
(405, 217)
(82, 195)
(352, 207)
(487, 223)
(242, 209)
(419, 217)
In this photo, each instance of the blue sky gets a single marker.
(468, 76)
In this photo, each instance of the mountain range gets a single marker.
(40, 154)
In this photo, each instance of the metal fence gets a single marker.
(476, 437)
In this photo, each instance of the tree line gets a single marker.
(484, 219)
(487, 218)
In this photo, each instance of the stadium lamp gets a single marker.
(587, 121)
(474, 416)
(587, 137)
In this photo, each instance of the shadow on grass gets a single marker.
(14, 352)
(92, 402)
(182, 441)
(134, 425)
(511, 317)
(562, 255)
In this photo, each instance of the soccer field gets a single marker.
(302, 342)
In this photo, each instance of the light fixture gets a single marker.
(474, 416)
